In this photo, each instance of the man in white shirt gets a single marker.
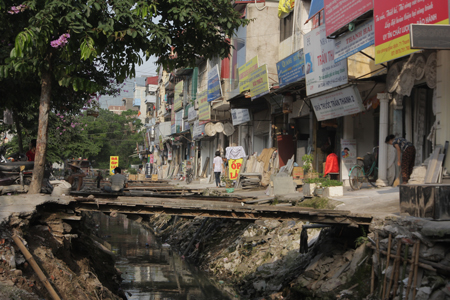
(217, 167)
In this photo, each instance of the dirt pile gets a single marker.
(76, 266)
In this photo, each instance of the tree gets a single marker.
(81, 44)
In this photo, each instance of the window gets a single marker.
(286, 25)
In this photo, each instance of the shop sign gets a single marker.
(352, 42)
(259, 82)
(179, 121)
(392, 20)
(234, 166)
(322, 73)
(199, 130)
(341, 12)
(426, 36)
(337, 104)
(173, 129)
(113, 163)
(192, 113)
(177, 99)
(244, 73)
(348, 156)
(240, 116)
(291, 69)
(204, 108)
(214, 86)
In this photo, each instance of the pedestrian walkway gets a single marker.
(379, 202)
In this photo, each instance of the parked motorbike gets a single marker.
(15, 169)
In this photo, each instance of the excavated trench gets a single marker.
(95, 256)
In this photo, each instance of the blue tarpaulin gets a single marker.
(137, 102)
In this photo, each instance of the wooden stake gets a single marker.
(416, 266)
(405, 260)
(411, 271)
(397, 273)
(394, 269)
(387, 266)
(379, 263)
(35, 267)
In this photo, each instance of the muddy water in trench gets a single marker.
(149, 270)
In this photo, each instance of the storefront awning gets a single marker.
(316, 7)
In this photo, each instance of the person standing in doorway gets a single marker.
(217, 167)
(406, 155)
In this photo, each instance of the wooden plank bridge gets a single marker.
(233, 207)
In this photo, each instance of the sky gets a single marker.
(147, 69)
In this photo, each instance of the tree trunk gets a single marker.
(19, 130)
(41, 143)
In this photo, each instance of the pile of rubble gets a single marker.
(75, 266)
(262, 260)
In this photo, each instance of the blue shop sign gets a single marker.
(291, 69)
(214, 86)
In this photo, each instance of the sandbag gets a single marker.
(60, 187)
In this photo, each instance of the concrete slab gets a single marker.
(283, 186)
(25, 204)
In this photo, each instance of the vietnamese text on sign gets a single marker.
(392, 20)
(259, 82)
(339, 13)
(244, 73)
(352, 42)
(214, 85)
(291, 69)
(336, 104)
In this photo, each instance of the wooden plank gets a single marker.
(432, 164)
(436, 175)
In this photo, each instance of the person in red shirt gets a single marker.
(32, 152)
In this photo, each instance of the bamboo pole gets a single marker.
(416, 266)
(430, 266)
(35, 267)
(387, 266)
(411, 271)
(394, 269)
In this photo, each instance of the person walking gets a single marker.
(217, 167)
(406, 155)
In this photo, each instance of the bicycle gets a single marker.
(366, 170)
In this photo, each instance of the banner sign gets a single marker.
(192, 114)
(341, 12)
(259, 82)
(322, 73)
(179, 121)
(173, 129)
(291, 69)
(352, 42)
(239, 116)
(244, 73)
(204, 108)
(214, 85)
(199, 130)
(348, 156)
(392, 20)
(338, 104)
(177, 99)
(113, 163)
(234, 166)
